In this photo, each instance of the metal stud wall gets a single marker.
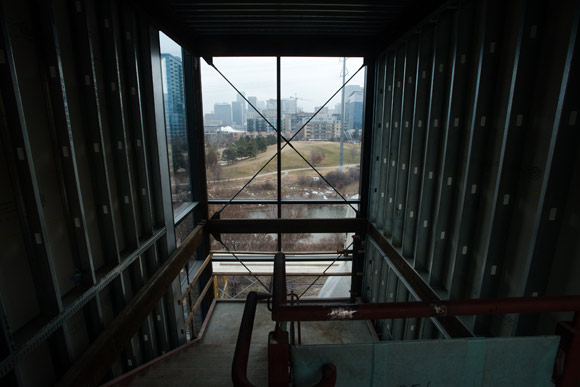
(86, 211)
(383, 283)
(475, 175)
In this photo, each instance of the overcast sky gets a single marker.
(311, 80)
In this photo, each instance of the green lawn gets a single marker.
(291, 160)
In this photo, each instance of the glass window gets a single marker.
(240, 140)
(175, 121)
(321, 119)
(240, 135)
(329, 142)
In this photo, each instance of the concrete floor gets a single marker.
(209, 362)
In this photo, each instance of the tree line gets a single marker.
(247, 147)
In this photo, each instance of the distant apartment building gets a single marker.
(261, 126)
(293, 123)
(173, 95)
(323, 128)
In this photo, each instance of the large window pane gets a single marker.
(238, 140)
(329, 142)
(175, 121)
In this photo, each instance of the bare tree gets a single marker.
(316, 157)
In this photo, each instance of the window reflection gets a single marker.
(175, 121)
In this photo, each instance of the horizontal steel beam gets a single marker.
(270, 226)
(263, 44)
(248, 257)
(284, 201)
(270, 273)
(98, 358)
(391, 310)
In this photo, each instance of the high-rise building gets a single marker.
(354, 111)
(223, 112)
(253, 101)
(237, 113)
(349, 89)
(251, 113)
(173, 95)
(244, 107)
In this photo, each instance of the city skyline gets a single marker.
(312, 80)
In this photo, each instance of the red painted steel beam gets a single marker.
(278, 283)
(380, 311)
(278, 358)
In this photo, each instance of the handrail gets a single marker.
(281, 311)
(194, 279)
(197, 304)
(102, 353)
(242, 351)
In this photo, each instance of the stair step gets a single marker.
(206, 365)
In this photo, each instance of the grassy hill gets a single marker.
(291, 160)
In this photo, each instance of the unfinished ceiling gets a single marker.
(321, 28)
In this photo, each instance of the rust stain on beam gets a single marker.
(388, 310)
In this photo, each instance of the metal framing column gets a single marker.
(164, 205)
(368, 112)
(279, 140)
